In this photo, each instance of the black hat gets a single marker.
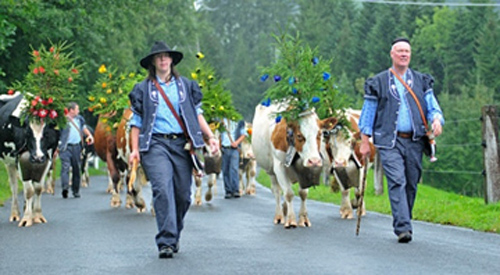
(400, 39)
(161, 47)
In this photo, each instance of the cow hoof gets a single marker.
(304, 222)
(208, 196)
(197, 202)
(141, 209)
(14, 218)
(290, 225)
(278, 219)
(39, 219)
(25, 222)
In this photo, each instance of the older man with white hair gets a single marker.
(398, 102)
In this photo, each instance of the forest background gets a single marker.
(455, 41)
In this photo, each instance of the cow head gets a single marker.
(301, 141)
(41, 140)
(339, 140)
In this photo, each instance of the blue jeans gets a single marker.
(230, 165)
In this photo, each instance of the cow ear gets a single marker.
(357, 135)
(328, 123)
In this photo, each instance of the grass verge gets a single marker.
(432, 205)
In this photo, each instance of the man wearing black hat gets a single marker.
(167, 120)
(392, 117)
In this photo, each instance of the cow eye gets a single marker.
(300, 137)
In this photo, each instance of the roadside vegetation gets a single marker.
(432, 205)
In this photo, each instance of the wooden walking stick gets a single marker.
(133, 175)
(362, 193)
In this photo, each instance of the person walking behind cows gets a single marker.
(230, 140)
(392, 117)
(70, 149)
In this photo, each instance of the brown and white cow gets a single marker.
(30, 148)
(344, 160)
(114, 149)
(247, 168)
(289, 152)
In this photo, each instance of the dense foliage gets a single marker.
(458, 45)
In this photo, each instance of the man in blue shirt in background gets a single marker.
(230, 140)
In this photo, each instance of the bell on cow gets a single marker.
(348, 176)
(213, 164)
(187, 147)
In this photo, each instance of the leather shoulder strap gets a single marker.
(413, 95)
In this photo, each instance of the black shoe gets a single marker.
(166, 252)
(228, 196)
(404, 237)
(76, 195)
(236, 195)
(65, 194)
(176, 247)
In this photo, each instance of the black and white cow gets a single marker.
(29, 147)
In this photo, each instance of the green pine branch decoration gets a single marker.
(301, 81)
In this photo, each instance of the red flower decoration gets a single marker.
(36, 53)
(70, 79)
(34, 102)
(44, 102)
(51, 49)
(65, 111)
(35, 112)
(75, 71)
(50, 100)
(35, 71)
(52, 114)
(10, 92)
(42, 113)
(42, 69)
(56, 72)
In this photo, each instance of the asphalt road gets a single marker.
(232, 236)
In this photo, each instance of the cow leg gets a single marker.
(241, 172)
(346, 207)
(14, 207)
(303, 217)
(211, 180)
(110, 183)
(85, 173)
(50, 185)
(37, 204)
(197, 194)
(251, 173)
(134, 196)
(290, 219)
(278, 212)
(29, 192)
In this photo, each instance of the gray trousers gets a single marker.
(403, 168)
(169, 169)
(230, 166)
(71, 158)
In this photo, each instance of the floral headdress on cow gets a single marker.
(109, 98)
(301, 80)
(217, 102)
(50, 84)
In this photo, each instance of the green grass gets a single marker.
(5, 192)
(432, 205)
